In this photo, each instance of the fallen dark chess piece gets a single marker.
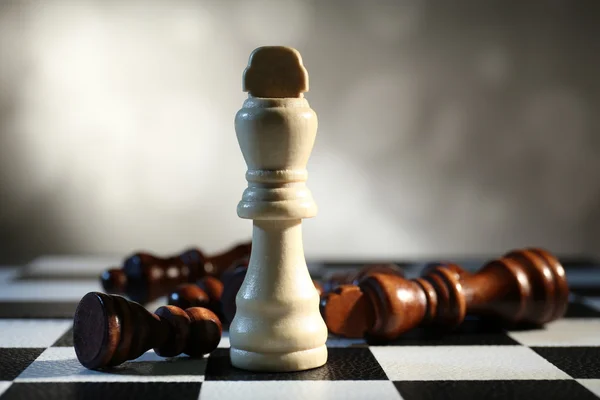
(145, 277)
(109, 330)
(524, 286)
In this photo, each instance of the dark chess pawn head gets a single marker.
(212, 286)
(188, 295)
(206, 293)
(114, 281)
(109, 330)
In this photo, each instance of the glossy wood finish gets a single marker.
(204, 293)
(188, 295)
(205, 332)
(145, 277)
(114, 281)
(347, 310)
(523, 286)
(109, 330)
(330, 283)
(527, 285)
(213, 287)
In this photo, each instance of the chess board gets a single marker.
(480, 360)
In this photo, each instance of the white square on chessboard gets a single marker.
(424, 363)
(48, 291)
(564, 332)
(593, 385)
(224, 343)
(60, 364)
(299, 390)
(7, 274)
(3, 386)
(72, 265)
(31, 332)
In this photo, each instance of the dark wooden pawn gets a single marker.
(204, 293)
(188, 295)
(523, 286)
(213, 287)
(109, 330)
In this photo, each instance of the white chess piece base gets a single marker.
(277, 326)
(281, 362)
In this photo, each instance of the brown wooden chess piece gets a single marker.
(329, 284)
(524, 286)
(145, 277)
(233, 283)
(217, 264)
(188, 295)
(109, 330)
(206, 292)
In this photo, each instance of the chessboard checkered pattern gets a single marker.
(480, 360)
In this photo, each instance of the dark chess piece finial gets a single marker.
(524, 286)
(109, 330)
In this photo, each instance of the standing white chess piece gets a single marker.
(277, 325)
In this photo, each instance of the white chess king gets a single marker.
(277, 325)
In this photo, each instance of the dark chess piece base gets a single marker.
(109, 330)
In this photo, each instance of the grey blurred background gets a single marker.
(462, 127)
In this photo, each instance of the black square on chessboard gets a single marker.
(491, 390)
(166, 367)
(13, 361)
(66, 340)
(103, 391)
(472, 332)
(593, 291)
(579, 310)
(348, 363)
(578, 362)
